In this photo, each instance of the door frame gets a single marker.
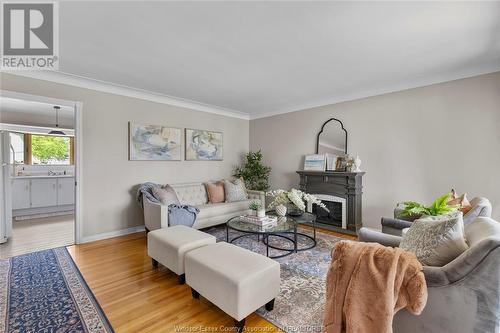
(78, 107)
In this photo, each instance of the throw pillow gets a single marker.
(235, 190)
(462, 200)
(215, 192)
(166, 195)
(436, 240)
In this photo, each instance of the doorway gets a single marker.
(41, 170)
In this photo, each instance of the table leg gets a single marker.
(314, 228)
(295, 240)
(267, 245)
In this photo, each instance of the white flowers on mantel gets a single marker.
(295, 197)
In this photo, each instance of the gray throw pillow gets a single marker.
(235, 190)
(436, 240)
(166, 195)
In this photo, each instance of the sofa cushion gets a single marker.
(213, 210)
(235, 190)
(215, 192)
(462, 200)
(436, 240)
(191, 194)
(166, 195)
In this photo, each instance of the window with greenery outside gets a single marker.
(254, 173)
(50, 149)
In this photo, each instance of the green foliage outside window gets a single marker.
(46, 148)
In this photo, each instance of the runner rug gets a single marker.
(45, 292)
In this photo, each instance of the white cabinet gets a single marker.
(20, 193)
(65, 191)
(43, 192)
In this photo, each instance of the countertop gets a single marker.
(44, 176)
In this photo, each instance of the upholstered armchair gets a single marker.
(464, 295)
(394, 226)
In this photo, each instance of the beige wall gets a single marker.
(109, 202)
(414, 144)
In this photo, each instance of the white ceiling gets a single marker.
(35, 109)
(264, 58)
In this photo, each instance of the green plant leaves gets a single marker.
(438, 207)
(254, 173)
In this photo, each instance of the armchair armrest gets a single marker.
(369, 235)
(155, 215)
(464, 264)
(394, 226)
(257, 195)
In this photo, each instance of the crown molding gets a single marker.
(112, 88)
(412, 84)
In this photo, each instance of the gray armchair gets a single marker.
(464, 295)
(394, 226)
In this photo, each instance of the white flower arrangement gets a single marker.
(295, 197)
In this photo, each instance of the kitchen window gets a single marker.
(39, 149)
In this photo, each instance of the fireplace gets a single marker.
(337, 215)
(341, 192)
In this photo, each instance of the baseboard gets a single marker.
(111, 234)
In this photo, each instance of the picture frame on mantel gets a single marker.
(315, 162)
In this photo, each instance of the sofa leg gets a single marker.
(240, 325)
(182, 278)
(155, 263)
(196, 295)
(270, 305)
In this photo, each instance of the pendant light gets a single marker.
(57, 131)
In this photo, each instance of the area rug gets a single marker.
(300, 305)
(45, 292)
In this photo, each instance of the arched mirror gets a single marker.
(332, 138)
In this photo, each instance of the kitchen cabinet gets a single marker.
(37, 194)
(21, 194)
(43, 192)
(65, 191)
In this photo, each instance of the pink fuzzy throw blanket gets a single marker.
(367, 283)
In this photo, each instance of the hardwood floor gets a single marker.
(139, 298)
(39, 234)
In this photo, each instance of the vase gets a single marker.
(294, 210)
(281, 210)
(357, 164)
(261, 213)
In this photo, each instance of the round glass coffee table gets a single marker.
(284, 229)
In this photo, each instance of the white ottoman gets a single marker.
(236, 280)
(168, 246)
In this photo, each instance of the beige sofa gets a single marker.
(195, 194)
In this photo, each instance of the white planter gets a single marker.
(261, 213)
(281, 210)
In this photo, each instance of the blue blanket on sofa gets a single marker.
(177, 214)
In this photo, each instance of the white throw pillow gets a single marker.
(436, 240)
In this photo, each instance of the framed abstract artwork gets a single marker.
(203, 145)
(154, 143)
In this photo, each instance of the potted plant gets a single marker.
(438, 207)
(254, 173)
(257, 208)
(296, 199)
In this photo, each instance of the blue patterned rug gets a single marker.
(299, 306)
(45, 292)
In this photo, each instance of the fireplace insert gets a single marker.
(334, 217)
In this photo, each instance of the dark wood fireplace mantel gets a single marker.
(346, 185)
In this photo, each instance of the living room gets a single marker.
(175, 98)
